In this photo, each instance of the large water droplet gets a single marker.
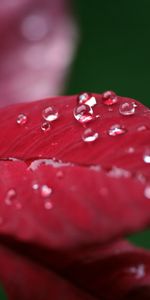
(147, 191)
(127, 108)
(21, 119)
(10, 196)
(109, 98)
(45, 126)
(46, 191)
(83, 113)
(89, 135)
(50, 114)
(116, 129)
(146, 156)
(87, 98)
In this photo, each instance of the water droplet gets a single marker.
(87, 98)
(50, 114)
(130, 150)
(116, 130)
(109, 98)
(138, 271)
(60, 174)
(146, 156)
(83, 113)
(21, 119)
(119, 172)
(89, 135)
(134, 104)
(10, 196)
(35, 186)
(48, 205)
(147, 191)
(45, 126)
(46, 191)
(142, 128)
(127, 109)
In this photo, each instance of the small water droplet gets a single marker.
(142, 128)
(109, 98)
(147, 191)
(21, 119)
(87, 98)
(89, 135)
(50, 114)
(60, 174)
(48, 205)
(83, 113)
(10, 196)
(119, 172)
(130, 150)
(35, 186)
(45, 126)
(127, 108)
(146, 156)
(116, 129)
(46, 191)
(138, 271)
(134, 104)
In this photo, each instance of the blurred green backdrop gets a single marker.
(114, 48)
(113, 53)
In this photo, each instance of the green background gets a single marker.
(113, 54)
(114, 48)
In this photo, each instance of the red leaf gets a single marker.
(64, 194)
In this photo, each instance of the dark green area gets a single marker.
(114, 53)
(2, 294)
(114, 48)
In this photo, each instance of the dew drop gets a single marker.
(35, 186)
(48, 205)
(50, 114)
(138, 271)
(21, 119)
(131, 150)
(127, 108)
(10, 196)
(87, 98)
(146, 156)
(46, 191)
(109, 98)
(147, 191)
(45, 126)
(142, 128)
(134, 104)
(116, 129)
(83, 113)
(89, 135)
(60, 174)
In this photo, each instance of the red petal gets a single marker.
(34, 36)
(119, 271)
(89, 204)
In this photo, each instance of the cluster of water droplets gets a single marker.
(45, 193)
(49, 114)
(84, 113)
(11, 198)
